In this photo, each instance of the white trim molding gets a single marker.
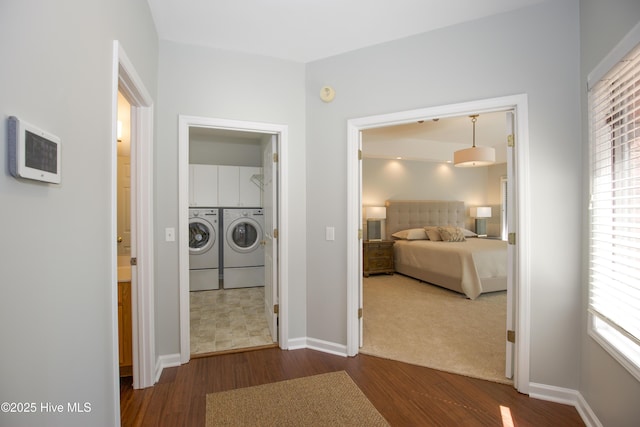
(126, 80)
(318, 345)
(184, 123)
(297, 343)
(142, 112)
(616, 54)
(166, 361)
(565, 396)
(516, 103)
(327, 347)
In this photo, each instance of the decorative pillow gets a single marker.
(468, 233)
(451, 234)
(433, 233)
(411, 234)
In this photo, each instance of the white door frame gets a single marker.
(270, 203)
(184, 123)
(126, 79)
(517, 103)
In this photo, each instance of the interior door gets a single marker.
(270, 206)
(360, 284)
(124, 205)
(511, 264)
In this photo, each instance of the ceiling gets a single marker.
(308, 30)
(436, 140)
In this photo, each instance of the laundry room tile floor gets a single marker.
(227, 319)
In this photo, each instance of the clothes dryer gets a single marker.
(204, 259)
(243, 248)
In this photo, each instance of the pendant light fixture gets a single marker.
(474, 156)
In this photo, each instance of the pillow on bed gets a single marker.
(411, 234)
(468, 233)
(433, 233)
(451, 234)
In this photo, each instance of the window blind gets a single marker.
(614, 240)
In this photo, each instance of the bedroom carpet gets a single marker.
(331, 399)
(425, 325)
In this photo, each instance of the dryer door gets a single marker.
(244, 235)
(202, 236)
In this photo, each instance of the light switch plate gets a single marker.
(330, 233)
(170, 234)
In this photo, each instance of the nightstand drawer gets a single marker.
(378, 253)
(380, 263)
(377, 257)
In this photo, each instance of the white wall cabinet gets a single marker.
(203, 185)
(237, 186)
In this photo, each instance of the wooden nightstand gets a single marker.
(377, 257)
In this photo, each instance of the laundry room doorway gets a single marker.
(231, 168)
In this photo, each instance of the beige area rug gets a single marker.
(426, 325)
(321, 400)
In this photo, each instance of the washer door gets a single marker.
(202, 236)
(244, 235)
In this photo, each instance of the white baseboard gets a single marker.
(586, 413)
(568, 397)
(327, 347)
(297, 343)
(166, 361)
(320, 345)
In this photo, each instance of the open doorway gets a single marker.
(123, 237)
(408, 169)
(216, 145)
(128, 85)
(519, 294)
(230, 188)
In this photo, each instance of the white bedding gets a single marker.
(471, 267)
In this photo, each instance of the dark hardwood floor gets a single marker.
(406, 395)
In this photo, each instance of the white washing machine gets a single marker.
(243, 248)
(204, 249)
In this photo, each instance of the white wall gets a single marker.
(611, 391)
(220, 84)
(55, 252)
(533, 51)
(226, 151)
(414, 180)
(384, 180)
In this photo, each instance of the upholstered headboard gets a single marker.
(406, 214)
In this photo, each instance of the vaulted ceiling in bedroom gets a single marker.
(436, 140)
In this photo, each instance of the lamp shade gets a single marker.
(376, 212)
(474, 156)
(481, 212)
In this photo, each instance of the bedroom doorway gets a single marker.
(519, 279)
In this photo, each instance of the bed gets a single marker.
(470, 266)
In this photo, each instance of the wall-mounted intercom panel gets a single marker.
(33, 153)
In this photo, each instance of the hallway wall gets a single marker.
(535, 51)
(57, 314)
(212, 83)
